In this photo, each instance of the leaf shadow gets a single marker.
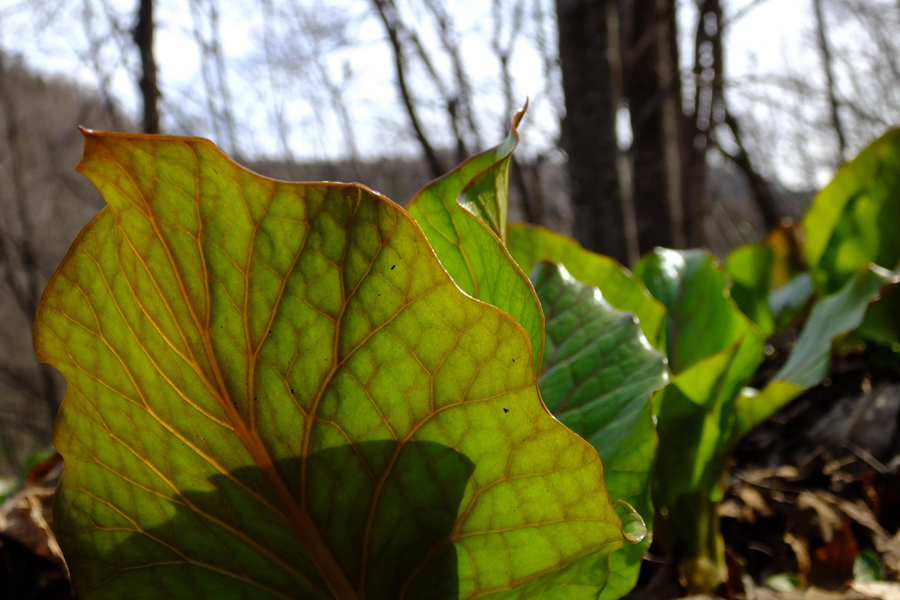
(218, 541)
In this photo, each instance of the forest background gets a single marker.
(650, 123)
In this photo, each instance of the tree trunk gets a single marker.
(143, 38)
(589, 127)
(653, 90)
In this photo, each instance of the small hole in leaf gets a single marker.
(392, 267)
(506, 410)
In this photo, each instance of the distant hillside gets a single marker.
(43, 205)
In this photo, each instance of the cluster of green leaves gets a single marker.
(835, 276)
(282, 390)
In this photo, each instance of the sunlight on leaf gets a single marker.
(598, 377)
(276, 391)
(469, 245)
(528, 244)
(701, 319)
(855, 220)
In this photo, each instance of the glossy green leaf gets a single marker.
(787, 302)
(750, 269)
(810, 359)
(529, 244)
(713, 351)
(855, 220)
(695, 417)
(701, 319)
(275, 391)
(598, 377)
(881, 324)
(467, 247)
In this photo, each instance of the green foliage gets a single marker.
(598, 376)
(750, 269)
(468, 246)
(281, 390)
(713, 351)
(275, 391)
(810, 360)
(529, 244)
(855, 220)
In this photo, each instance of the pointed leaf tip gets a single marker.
(517, 116)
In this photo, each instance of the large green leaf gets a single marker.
(275, 391)
(598, 377)
(529, 244)
(810, 359)
(701, 319)
(467, 246)
(855, 220)
(713, 351)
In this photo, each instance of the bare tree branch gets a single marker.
(743, 12)
(143, 38)
(448, 37)
(387, 10)
(828, 66)
(762, 191)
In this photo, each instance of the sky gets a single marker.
(52, 38)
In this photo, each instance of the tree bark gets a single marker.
(589, 127)
(653, 89)
(143, 38)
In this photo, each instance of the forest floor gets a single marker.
(812, 498)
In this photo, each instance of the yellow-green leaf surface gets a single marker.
(598, 377)
(528, 244)
(276, 391)
(469, 244)
(855, 220)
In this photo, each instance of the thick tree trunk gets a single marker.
(589, 128)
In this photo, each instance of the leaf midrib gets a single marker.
(297, 516)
